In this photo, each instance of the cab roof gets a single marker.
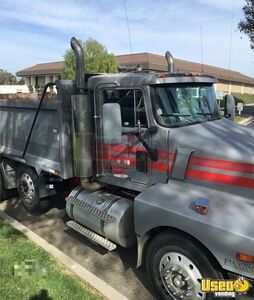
(137, 79)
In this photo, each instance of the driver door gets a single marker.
(128, 159)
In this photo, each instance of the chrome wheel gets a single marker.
(26, 187)
(181, 277)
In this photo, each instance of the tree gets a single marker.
(96, 57)
(247, 26)
(7, 78)
(21, 81)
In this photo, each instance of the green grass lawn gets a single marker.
(244, 98)
(46, 279)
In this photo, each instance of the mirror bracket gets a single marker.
(152, 152)
(227, 116)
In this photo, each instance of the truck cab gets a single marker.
(134, 148)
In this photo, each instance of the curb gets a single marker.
(249, 104)
(97, 283)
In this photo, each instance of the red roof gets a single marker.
(52, 68)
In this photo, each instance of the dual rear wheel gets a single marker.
(28, 189)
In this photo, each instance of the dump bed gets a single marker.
(50, 147)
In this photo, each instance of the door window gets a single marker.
(127, 160)
(132, 106)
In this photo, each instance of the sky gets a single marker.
(39, 31)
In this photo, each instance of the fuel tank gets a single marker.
(109, 215)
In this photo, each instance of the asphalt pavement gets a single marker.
(249, 110)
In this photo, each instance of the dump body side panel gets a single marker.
(224, 230)
(50, 144)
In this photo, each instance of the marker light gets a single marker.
(194, 74)
(161, 75)
(245, 257)
(202, 205)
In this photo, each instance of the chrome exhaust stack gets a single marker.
(82, 120)
(80, 70)
(170, 61)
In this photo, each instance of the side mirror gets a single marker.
(229, 108)
(112, 124)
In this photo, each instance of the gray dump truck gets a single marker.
(145, 160)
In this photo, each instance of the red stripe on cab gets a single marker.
(222, 164)
(220, 178)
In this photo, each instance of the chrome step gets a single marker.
(96, 238)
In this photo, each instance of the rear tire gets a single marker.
(28, 188)
(176, 265)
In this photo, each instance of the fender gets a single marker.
(226, 228)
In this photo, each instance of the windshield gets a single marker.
(184, 104)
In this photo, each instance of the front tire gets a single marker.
(176, 265)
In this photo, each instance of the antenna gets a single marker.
(231, 37)
(128, 27)
(201, 47)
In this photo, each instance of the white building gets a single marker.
(13, 89)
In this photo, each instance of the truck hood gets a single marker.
(219, 153)
(221, 139)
